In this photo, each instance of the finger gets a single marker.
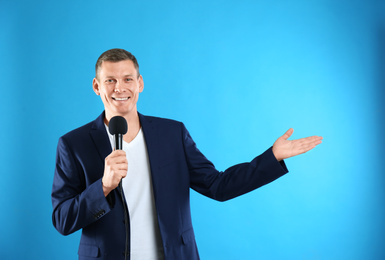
(310, 139)
(116, 163)
(116, 153)
(120, 160)
(119, 173)
(307, 147)
(313, 141)
(306, 143)
(314, 137)
(124, 174)
(122, 166)
(288, 133)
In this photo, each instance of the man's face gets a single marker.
(118, 86)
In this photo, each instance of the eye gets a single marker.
(110, 81)
(128, 79)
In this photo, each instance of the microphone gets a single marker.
(118, 127)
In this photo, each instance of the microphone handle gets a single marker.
(119, 146)
(118, 142)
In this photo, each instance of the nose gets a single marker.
(119, 87)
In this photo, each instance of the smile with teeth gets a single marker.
(120, 99)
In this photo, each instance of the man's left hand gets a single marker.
(283, 148)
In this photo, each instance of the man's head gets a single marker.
(115, 55)
(118, 83)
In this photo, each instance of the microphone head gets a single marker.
(117, 125)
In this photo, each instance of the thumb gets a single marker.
(288, 133)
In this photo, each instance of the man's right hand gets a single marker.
(115, 169)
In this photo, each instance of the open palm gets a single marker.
(284, 148)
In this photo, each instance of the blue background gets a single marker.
(238, 74)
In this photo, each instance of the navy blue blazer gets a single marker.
(176, 166)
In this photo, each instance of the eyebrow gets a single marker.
(125, 76)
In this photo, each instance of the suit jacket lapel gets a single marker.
(100, 137)
(151, 137)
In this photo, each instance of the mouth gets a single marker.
(120, 99)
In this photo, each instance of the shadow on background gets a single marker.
(380, 92)
(381, 85)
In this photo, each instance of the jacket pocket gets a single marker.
(88, 250)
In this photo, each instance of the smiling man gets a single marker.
(158, 165)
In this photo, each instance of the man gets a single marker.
(158, 165)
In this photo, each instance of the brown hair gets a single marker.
(115, 55)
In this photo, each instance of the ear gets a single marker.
(95, 86)
(141, 84)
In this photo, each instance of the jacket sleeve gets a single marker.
(76, 203)
(236, 180)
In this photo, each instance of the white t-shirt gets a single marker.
(146, 242)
